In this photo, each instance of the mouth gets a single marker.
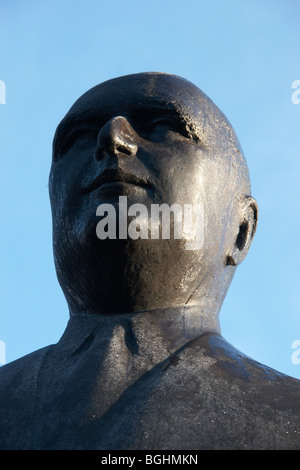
(116, 175)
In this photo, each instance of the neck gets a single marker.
(160, 331)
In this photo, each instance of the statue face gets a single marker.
(154, 138)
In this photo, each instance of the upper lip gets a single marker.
(115, 175)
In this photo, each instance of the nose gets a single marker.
(116, 137)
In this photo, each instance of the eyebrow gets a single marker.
(69, 124)
(71, 121)
(160, 109)
(94, 120)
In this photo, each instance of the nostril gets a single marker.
(123, 149)
(116, 137)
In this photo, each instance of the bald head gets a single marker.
(162, 131)
(146, 96)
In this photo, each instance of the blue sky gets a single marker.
(244, 55)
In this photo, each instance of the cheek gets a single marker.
(64, 200)
(210, 182)
(67, 178)
(178, 172)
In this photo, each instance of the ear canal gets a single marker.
(241, 239)
(230, 261)
(240, 244)
(245, 234)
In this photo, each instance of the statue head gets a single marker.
(147, 139)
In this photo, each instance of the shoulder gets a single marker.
(18, 385)
(207, 395)
(21, 370)
(211, 356)
(224, 399)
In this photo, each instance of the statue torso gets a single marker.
(95, 390)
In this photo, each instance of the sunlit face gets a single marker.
(154, 138)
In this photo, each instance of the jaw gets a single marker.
(121, 276)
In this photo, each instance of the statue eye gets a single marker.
(163, 125)
(65, 142)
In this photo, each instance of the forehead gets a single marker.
(136, 90)
(150, 93)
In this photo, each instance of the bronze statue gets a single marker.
(142, 363)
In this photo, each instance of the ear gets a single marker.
(246, 232)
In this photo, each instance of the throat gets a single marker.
(166, 330)
(117, 350)
(153, 334)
